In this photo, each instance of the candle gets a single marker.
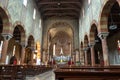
(7, 60)
(14, 50)
(54, 50)
(70, 49)
(1, 48)
(118, 44)
(1, 44)
(34, 56)
(19, 62)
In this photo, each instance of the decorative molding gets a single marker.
(23, 44)
(103, 35)
(91, 44)
(85, 49)
(7, 36)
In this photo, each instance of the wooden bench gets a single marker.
(93, 73)
(19, 72)
(11, 72)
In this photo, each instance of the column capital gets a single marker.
(23, 44)
(103, 35)
(91, 44)
(85, 49)
(32, 48)
(7, 36)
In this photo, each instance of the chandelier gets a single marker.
(112, 26)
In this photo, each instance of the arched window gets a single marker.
(25, 2)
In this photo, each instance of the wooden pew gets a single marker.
(11, 72)
(87, 73)
(19, 72)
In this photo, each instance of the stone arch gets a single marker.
(86, 41)
(29, 50)
(22, 31)
(6, 19)
(81, 45)
(63, 25)
(62, 39)
(96, 43)
(30, 41)
(87, 50)
(104, 15)
(114, 33)
(60, 27)
(82, 53)
(15, 42)
(93, 32)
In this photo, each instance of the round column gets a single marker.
(6, 37)
(92, 53)
(23, 53)
(85, 54)
(103, 36)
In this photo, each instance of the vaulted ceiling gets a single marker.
(60, 8)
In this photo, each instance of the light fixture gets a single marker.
(112, 25)
(58, 3)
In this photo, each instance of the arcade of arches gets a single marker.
(61, 39)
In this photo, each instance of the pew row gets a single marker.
(19, 72)
(88, 73)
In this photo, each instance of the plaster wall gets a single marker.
(73, 24)
(24, 14)
(91, 13)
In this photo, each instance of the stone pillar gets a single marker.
(23, 53)
(82, 57)
(92, 53)
(7, 37)
(77, 55)
(33, 50)
(85, 54)
(103, 36)
(44, 55)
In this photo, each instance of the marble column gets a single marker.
(48, 54)
(92, 53)
(23, 53)
(77, 55)
(85, 54)
(33, 51)
(82, 57)
(103, 36)
(6, 37)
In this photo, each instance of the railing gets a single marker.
(19, 72)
